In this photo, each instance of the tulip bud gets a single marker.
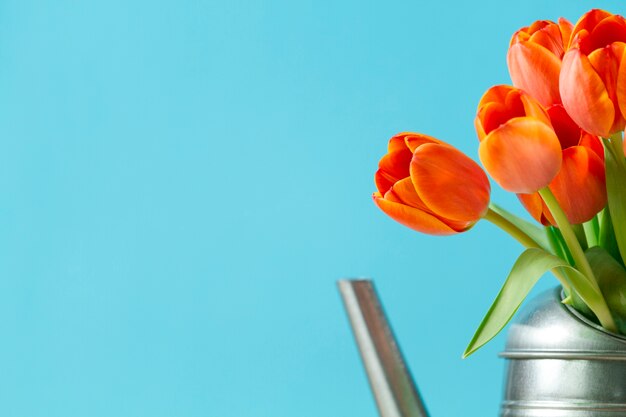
(579, 186)
(430, 186)
(518, 146)
(593, 75)
(534, 59)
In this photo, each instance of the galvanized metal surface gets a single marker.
(391, 382)
(561, 365)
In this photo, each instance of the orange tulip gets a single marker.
(593, 73)
(518, 146)
(430, 186)
(534, 59)
(579, 186)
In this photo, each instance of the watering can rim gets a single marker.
(545, 328)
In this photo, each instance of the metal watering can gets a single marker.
(558, 363)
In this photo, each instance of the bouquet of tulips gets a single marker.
(554, 138)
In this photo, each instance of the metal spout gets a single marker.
(394, 389)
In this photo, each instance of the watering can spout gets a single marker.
(394, 389)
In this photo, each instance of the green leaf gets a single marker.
(529, 267)
(616, 191)
(559, 248)
(611, 277)
(537, 233)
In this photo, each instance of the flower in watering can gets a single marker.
(534, 59)
(579, 186)
(593, 74)
(541, 140)
(430, 186)
(518, 146)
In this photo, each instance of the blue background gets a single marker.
(182, 183)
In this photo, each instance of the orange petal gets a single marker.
(403, 192)
(414, 140)
(584, 95)
(605, 63)
(450, 183)
(534, 109)
(566, 31)
(609, 30)
(502, 103)
(537, 208)
(565, 128)
(621, 84)
(498, 105)
(414, 218)
(497, 93)
(392, 168)
(549, 37)
(522, 155)
(589, 20)
(580, 186)
(593, 143)
(396, 143)
(480, 129)
(535, 70)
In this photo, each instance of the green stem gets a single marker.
(536, 233)
(580, 261)
(511, 229)
(592, 228)
(528, 242)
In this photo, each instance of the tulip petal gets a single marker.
(535, 70)
(593, 143)
(609, 30)
(497, 93)
(502, 103)
(589, 20)
(621, 84)
(397, 143)
(584, 95)
(580, 186)
(450, 183)
(536, 208)
(495, 113)
(532, 108)
(392, 167)
(549, 37)
(416, 140)
(606, 64)
(565, 128)
(414, 218)
(403, 192)
(566, 31)
(523, 155)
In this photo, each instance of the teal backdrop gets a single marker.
(183, 182)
